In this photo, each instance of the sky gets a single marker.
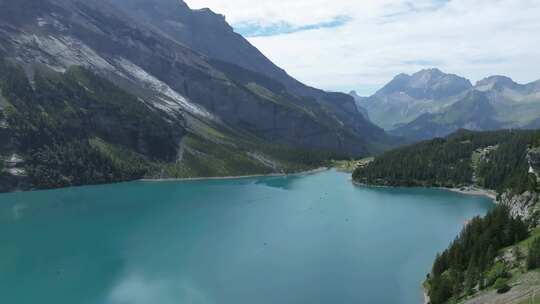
(344, 45)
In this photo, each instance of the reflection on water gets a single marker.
(137, 289)
(281, 182)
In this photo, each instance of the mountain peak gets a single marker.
(534, 86)
(207, 12)
(496, 81)
(432, 72)
(426, 84)
(397, 84)
(355, 94)
(429, 77)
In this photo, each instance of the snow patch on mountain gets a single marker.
(50, 21)
(41, 22)
(172, 101)
(64, 51)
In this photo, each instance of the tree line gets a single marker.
(470, 261)
(447, 162)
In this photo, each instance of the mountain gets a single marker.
(517, 105)
(209, 34)
(432, 104)
(96, 92)
(407, 97)
(358, 102)
(496, 102)
(426, 84)
(473, 112)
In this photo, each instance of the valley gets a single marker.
(150, 152)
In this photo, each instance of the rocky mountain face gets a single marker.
(407, 97)
(152, 88)
(431, 104)
(209, 34)
(473, 112)
(201, 30)
(358, 102)
(426, 84)
(517, 105)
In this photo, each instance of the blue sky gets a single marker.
(253, 29)
(360, 45)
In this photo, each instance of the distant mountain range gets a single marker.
(154, 81)
(432, 104)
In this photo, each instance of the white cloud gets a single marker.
(472, 38)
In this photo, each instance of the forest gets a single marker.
(55, 120)
(451, 162)
(470, 262)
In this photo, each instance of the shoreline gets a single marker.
(474, 191)
(468, 190)
(187, 179)
(426, 297)
(301, 173)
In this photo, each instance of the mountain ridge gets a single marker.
(219, 41)
(427, 84)
(426, 104)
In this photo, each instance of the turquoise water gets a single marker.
(312, 239)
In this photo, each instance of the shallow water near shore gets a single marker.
(295, 239)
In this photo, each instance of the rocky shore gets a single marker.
(471, 190)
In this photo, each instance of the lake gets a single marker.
(298, 239)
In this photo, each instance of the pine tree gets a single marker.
(533, 259)
(470, 278)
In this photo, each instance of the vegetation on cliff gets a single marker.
(469, 262)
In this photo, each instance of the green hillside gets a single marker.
(76, 128)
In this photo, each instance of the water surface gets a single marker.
(311, 239)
